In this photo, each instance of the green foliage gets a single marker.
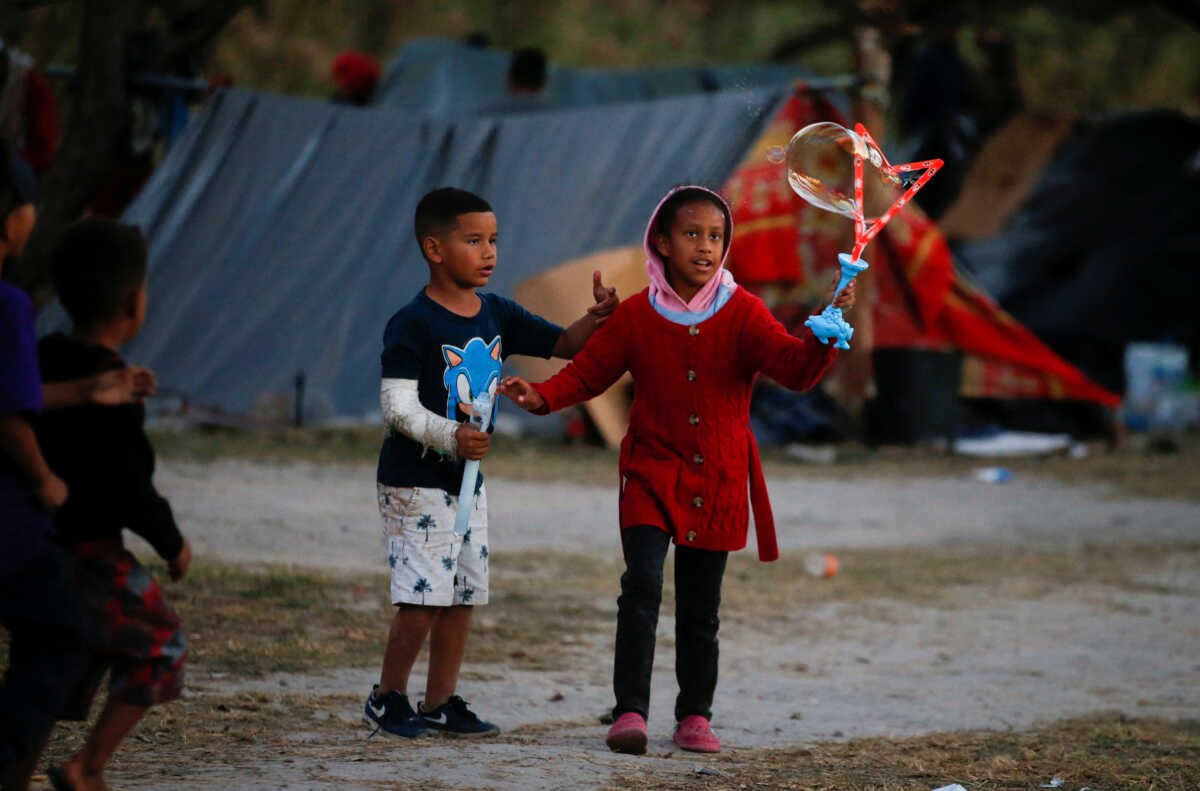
(1071, 59)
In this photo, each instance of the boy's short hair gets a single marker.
(95, 265)
(672, 205)
(439, 210)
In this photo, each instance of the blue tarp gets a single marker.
(444, 78)
(281, 229)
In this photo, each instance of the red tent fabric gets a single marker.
(782, 245)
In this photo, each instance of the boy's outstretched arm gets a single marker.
(574, 337)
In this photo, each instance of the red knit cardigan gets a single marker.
(689, 452)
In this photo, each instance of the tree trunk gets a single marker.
(95, 113)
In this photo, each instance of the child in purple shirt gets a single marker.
(38, 607)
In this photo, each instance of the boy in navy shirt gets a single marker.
(440, 351)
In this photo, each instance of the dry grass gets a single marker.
(249, 621)
(201, 734)
(1108, 752)
(1145, 469)
(547, 606)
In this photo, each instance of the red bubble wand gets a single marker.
(829, 324)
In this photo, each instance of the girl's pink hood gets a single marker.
(660, 289)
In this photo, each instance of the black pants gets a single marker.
(48, 651)
(698, 575)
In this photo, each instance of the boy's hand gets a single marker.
(178, 567)
(51, 492)
(472, 444)
(522, 393)
(606, 299)
(845, 299)
(120, 387)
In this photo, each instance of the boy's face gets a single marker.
(693, 249)
(466, 253)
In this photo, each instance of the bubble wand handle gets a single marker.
(829, 324)
(481, 415)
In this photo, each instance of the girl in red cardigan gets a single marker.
(694, 343)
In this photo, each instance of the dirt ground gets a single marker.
(962, 607)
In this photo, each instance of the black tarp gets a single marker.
(1106, 251)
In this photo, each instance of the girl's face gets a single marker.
(693, 250)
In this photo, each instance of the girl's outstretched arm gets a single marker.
(795, 363)
(522, 394)
(595, 368)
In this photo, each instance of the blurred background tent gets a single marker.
(447, 78)
(281, 242)
(281, 229)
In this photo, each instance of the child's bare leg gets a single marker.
(410, 627)
(86, 769)
(447, 643)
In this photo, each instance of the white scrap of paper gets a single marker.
(951, 787)
(1054, 783)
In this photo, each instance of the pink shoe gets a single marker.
(694, 734)
(627, 734)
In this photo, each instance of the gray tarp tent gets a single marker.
(281, 229)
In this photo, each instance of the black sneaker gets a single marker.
(453, 718)
(392, 714)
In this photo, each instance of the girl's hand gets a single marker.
(522, 393)
(846, 298)
(606, 299)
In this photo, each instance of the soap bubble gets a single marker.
(776, 154)
(820, 169)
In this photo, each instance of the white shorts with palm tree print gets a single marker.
(430, 564)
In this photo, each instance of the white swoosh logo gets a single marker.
(378, 712)
(440, 719)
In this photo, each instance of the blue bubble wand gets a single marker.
(481, 417)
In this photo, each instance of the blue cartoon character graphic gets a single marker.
(470, 371)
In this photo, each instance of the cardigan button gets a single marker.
(694, 420)
(698, 501)
(691, 536)
(698, 458)
(693, 330)
(691, 376)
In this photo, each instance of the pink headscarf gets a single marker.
(660, 288)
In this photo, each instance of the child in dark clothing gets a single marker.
(99, 270)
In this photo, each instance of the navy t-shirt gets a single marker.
(24, 524)
(452, 358)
